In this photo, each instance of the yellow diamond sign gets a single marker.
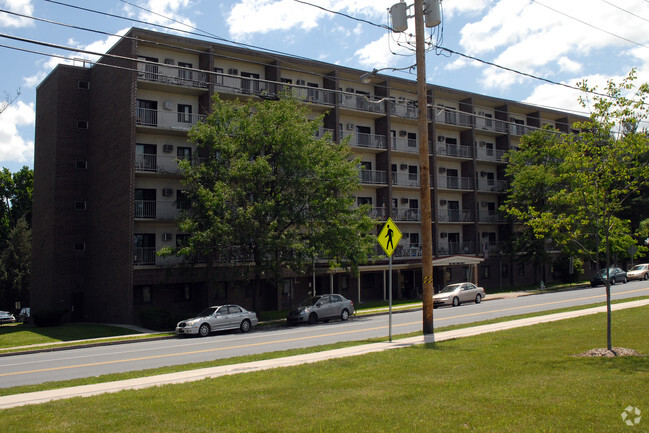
(389, 237)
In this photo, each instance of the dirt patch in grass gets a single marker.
(616, 351)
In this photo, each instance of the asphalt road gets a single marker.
(42, 367)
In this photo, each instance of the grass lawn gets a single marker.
(521, 380)
(24, 335)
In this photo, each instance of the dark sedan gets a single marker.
(615, 275)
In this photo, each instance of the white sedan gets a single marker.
(218, 318)
(455, 294)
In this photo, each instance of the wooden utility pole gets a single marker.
(424, 172)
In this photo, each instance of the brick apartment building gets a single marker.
(107, 185)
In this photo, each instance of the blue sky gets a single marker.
(562, 41)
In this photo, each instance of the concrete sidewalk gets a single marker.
(213, 372)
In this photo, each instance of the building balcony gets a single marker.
(456, 216)
(492, 185)
(159, 210)
(490, 216)
(485, 154)
(166, 119)
(402, 144)
(368, 141)
(361, 102)
(453, 117)
(458, 151)
(455, 182)
(162, 164)
(172, 75)
(405, 179)
(453, 248)
(373, 177)
(404, 108)
(406, 214)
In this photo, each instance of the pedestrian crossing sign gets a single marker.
(389, 237)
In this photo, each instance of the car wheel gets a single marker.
(456, 301)
(313, 318)
(344, 315)
(645, 277)
(625, 280)
(245, 326)
(612, 281)
(478, 298)
(204, 330)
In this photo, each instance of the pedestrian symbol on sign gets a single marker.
(389, 237)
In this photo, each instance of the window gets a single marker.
(182, 240)
(504, 270)
(147, 112)
(151, 72)
(521, 269)
(182, 292)
(79, 246)
(145, 203)
(184, 153)
(142, 295)
(485, 272)
(363, 135)
(363, 200)
(250, 85)
(80, 205)
(144, 248)
(221, 290)
(84, 85)
(218, 78)
(82, 124)
(414, 239)
(185, 74)
(81, 165)
(182, 201)
(145, 157)
(412, 139)
(184, 113)
(312, 94)
(412, 172)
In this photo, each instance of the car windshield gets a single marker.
(450, 288)
(310, 301)
(207, 312)
(639, 268)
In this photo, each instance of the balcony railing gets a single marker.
(166, 120)
(361, 102)
(405, 179)
(453, 117)
(454, 182)
(492, 185)
(144, 256)
(485, 154)
(152, 209)
(452, 248)
(164, 164)
(490, 216)
(371, 141)
(171, 75)
(374, 177)
(455, 216)
(404, 108)
(409, 145)
(455, 150)
(406, 214)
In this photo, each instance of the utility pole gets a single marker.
(424, 172)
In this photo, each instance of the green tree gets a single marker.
(16, 198)
(15, 266)
(572, 187)
(270, 193)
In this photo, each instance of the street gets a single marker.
(43, 367)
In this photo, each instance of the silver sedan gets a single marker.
(455, 294)
(218, 318)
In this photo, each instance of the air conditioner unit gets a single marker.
(441, 138)
(443, 235)
(166, 237)
(301, 82)
(167, 192)
(167, 148)
(402, 133)
(233, 71)
(442, 202)
(168, 105)
(169, 61)
(349, 126)
(442, 170)
(404, 200)
(403, 166)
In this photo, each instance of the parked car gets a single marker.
(455, 294)
(638, 272)
(321, 308)
(218, 318)
(616, 275)
(25, 314)
(6, 317)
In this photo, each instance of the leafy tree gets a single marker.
(16, 198)
(572, 187)
(270, 193)
(15, 266)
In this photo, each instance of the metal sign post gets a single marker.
(389, 238)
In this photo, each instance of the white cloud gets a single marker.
(13, 147)
(167, 13)
(24, 7)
